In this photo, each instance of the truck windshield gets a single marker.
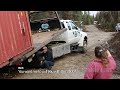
(73, 25)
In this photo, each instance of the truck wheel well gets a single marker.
(86, 39)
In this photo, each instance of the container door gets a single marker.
(24, 26)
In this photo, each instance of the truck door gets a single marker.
(70, 31)
(75, 32)
(24, 29)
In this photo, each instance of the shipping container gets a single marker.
(15, 35)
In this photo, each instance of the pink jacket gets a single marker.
(95, 70)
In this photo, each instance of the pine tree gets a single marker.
(108, 19)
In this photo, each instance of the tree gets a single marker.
(72, 15)
(108, 19)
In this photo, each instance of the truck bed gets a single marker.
(43, 38)
(39, 40)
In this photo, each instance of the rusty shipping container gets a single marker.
(15, 35)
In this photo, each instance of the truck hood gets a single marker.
(84, 33)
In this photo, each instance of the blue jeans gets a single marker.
(48, 64)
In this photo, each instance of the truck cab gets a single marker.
(73, 34)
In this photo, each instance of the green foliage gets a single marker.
(77, 16)
(42, 15)
(73, 15)
(108, 19)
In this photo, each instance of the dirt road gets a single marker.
(71, 66)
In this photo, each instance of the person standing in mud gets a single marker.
(102, 66)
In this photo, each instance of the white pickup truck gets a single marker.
(73, 39)
(117, 27)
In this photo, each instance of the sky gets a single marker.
(93, 13)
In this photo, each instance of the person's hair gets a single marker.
(44, 48)
(102, 54)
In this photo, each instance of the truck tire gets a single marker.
(83, 49)
(84, 46)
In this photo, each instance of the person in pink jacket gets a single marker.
(102, 66)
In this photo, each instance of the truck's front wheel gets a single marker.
(83, 49)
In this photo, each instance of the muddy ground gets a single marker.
(114, 44)
(73, 65)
